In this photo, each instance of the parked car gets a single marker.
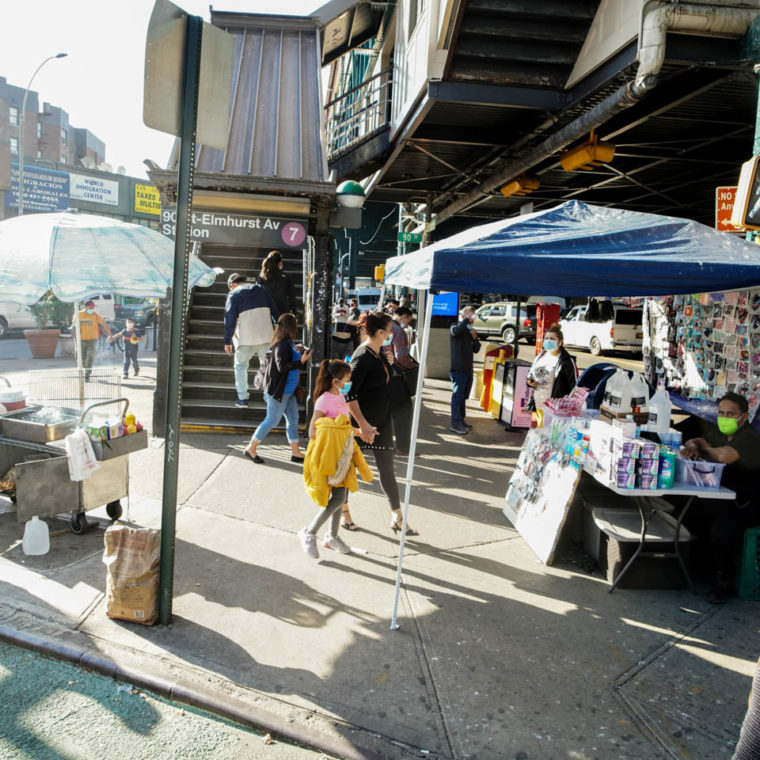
(104, 305)
(500, 319)
(15, 316)
(142, 311)
(620, 332)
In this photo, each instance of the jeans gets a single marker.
(243, 355)
(88, 355)
(130, 354)
(330, 512)
(275, 409)
(461, 385)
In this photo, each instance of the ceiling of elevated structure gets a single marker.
(689, 136)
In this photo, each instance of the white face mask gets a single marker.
(90, 311)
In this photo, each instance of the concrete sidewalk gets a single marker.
(498, 656)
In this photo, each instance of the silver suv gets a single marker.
(500, 319)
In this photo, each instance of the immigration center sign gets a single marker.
(44, 189)
(238, 229)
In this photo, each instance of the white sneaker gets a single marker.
(308, 543)
(337, 543)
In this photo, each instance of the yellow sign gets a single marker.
(147, 200)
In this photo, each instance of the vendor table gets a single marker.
(647, 511)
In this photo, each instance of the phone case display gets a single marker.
(705, 345)
(542, 487)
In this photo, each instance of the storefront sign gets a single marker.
(94, 189)
(147, 200)
(44, 189)
(222, 228)
(724, 205)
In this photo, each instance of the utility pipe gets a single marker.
(658, 19)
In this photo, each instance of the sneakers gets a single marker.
(309, 543)
(337, 543)
(137, 372)
(459, 428)
(241, 403)
(464, 424)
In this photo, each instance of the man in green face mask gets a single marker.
(736, 444)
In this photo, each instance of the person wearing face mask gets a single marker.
(721, 524)
(553, 372)
(90, 325)
(332, 457)
(369, 404)
(464, 344)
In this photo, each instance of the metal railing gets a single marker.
(358, 113)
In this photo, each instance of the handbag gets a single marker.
(259, 379)
(410, 376)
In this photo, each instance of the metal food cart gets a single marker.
(31, 443)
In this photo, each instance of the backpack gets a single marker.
(260, 378)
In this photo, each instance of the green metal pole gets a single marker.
(190, 77)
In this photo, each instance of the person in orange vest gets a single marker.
(90, 324)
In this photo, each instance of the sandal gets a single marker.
(396, 528)
(346, 521)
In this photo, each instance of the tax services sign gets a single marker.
(222, 228)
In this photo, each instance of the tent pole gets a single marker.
(412, 451)
(78, 351)
(517, 329)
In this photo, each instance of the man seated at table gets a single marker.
(736, 444)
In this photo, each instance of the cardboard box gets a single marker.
(132, 558)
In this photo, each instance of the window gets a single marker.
(415, 9)
(628, 317)
(64, 137)
(63, 159)
(39, 154)
(13, 116)
(14, 146)
(39, 130)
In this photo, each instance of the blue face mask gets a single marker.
(388, 340)
(346, 389)
(550, 344)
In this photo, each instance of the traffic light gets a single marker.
(586, 157)
(523, 185)
(380, 272)
(746, 213)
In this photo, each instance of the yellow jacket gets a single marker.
(332, 459)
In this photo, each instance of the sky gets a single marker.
(100, 82)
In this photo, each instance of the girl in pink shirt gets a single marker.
(332, 385)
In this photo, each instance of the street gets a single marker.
(53, 710)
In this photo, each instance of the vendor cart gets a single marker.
(31, 444)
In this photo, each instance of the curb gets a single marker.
(175, 691)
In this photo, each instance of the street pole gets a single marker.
(190, 79)
(21, 133)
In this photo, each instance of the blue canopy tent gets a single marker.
(574, 249)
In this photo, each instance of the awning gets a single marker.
(346, 24)
(576, 249)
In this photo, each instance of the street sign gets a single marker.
(409, 237)
(724, 205)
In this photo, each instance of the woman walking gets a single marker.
(281, 383)
(277, 283)
(332, 456)
(369, 404)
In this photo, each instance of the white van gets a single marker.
(367, 298)
(621, 332)
(15, 316)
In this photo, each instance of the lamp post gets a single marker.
(21, 133)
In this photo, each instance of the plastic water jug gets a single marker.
(617, 393)
(639, 393)
(36, 537)
(659, 412)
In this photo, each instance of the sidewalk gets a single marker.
(498, 656)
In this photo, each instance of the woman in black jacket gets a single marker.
(553, 372)
(281, 379)
(370, 406)
(277, 283)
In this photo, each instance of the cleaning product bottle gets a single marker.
(36, 537)
(659, 411)
(617, 394)
(639, 395)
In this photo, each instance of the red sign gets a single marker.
(724, 205)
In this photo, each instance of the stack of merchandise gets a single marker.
(705, 345)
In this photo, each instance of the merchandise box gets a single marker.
(117, 447)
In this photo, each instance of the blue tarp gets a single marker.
(577, 249)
